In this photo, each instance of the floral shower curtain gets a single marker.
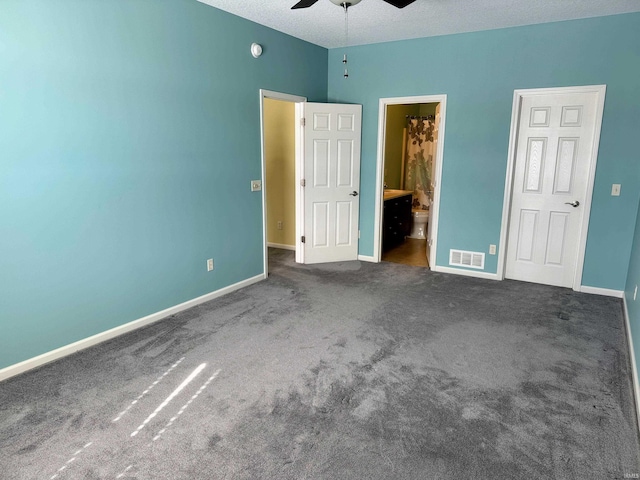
(420, 149)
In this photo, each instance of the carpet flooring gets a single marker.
(340, 371)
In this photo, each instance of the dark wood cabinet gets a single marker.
(396, 221)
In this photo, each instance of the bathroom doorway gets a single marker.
(411, 133)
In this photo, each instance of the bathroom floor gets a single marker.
(412, 251)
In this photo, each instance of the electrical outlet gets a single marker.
(209, 264)
(279, 224)
(492, 249)
(256, 185)
(635, 293)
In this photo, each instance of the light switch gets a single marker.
(615, 190)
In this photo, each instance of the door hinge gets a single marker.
(303, 183)
(303, 121)
(303, 239)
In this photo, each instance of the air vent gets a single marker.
(466, 259)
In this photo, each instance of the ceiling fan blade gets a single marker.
(398, 3)
(303, 4)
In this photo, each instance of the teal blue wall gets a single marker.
(129, 133)
(479, 72)
(633, 279)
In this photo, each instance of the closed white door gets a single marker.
(553, 157)
(331, 178)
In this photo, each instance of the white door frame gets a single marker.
(435, 207)
(299, 175)
(518, 95)
(275, 96)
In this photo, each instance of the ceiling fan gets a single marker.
(342, 3)
(345, 4)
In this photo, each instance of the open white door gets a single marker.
(328, 173)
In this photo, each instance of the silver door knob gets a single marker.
(573, 204)
(354, 194)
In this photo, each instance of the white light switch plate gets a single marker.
(615, 190)
(256, 185)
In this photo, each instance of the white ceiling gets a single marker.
(374, 21)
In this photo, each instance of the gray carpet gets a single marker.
(340, 371)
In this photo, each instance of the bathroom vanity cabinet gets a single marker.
(396, 220)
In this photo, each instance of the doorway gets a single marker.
(410, 152)
(277, 130)
(310, 178)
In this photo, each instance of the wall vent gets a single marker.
(466, 259)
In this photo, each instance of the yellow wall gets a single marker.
(396, 122)
(279, 143)
(428, 109)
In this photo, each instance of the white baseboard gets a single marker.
(466, 273)
(607, 292)
(367, 258)
(632, 357)
(281, 245)
(58, 353)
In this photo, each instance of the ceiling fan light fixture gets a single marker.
(349, 3)
(345, 4)
(341, 3)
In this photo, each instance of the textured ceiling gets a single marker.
(374, 21)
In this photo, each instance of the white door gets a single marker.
(328, 202)
(554, 151)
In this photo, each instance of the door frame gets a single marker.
(435, 207)
(518, 96)
(299, 174)
(275, 96)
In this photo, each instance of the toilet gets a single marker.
(419, 219)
